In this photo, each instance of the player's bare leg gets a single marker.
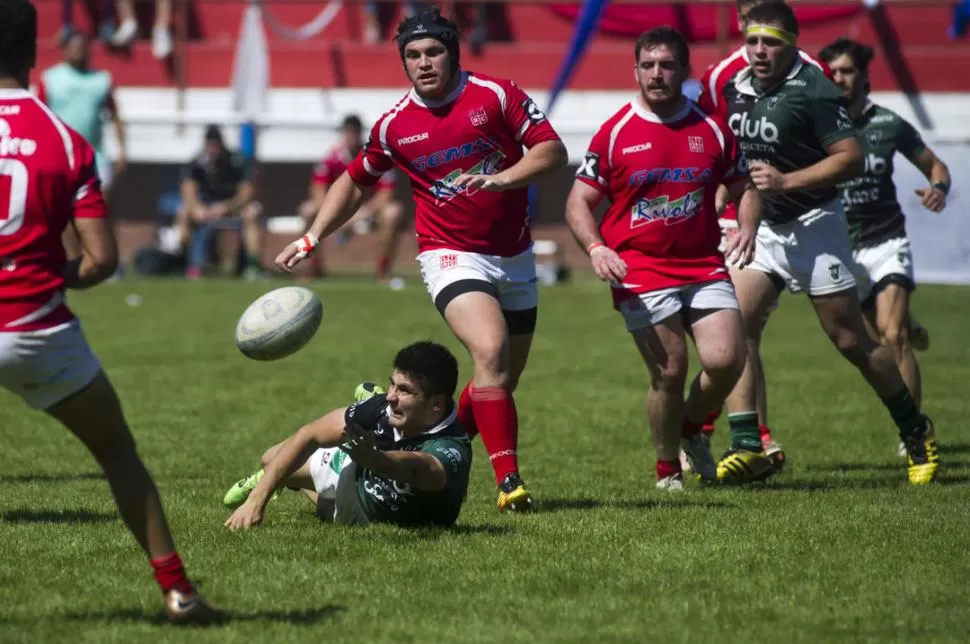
(663, 348)
(477, 320)
(390, 230)
(892, 322)
(841, 316)
(94, 415)
(745, 460)
(719, 341)
(251, 217)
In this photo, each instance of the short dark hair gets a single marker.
(860, 53)
(775, 12)
(432, 367)
(352, 122)
(664, 36)
(750, 3)
(213, 133)
(18, 36)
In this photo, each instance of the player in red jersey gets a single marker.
(381, 205)
(659, 161)
(47, 180)
(459, 137)
(711, 100)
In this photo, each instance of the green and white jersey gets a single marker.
(788, 126)
(385, 500)
(870, 201)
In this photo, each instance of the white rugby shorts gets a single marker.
(333, 475)
(47, 366)
(514, 278)
(810, 254)
(648, 309)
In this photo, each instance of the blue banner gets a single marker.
(589, 18)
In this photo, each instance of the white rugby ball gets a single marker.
(279, 323)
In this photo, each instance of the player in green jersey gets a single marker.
(793, 126)
(877, 226)
(397, 457)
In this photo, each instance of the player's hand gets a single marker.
(486, 182)
(765, 177)
(246, 516)
(358, 443)
(932, 199)
(296, 252)
(739, 245)
(607, 264)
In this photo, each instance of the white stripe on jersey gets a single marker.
(615, 132)
(371, 170)
(495, 87)
(714, 126)
(712, 82)
(385, 123)
(61, 129)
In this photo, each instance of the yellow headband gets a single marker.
(758, 29)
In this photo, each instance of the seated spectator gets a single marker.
(379, 209)
(128, 27)
(217, 193)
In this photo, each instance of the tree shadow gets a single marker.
(57, 516)
(856, 467)
(299, 617)
(51, 478)
(559, 505)
(896, 480)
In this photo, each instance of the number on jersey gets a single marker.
(13, 195)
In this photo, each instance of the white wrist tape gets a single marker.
(306, 245)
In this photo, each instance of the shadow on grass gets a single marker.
(305, 617)
(57, 516)
(51, 478)
(665, 503)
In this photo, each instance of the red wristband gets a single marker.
(594, 246)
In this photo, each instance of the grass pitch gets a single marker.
(838, 548)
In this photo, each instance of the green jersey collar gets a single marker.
(745, 81)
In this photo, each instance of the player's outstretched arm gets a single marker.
(417, 469)
(933, 168)
(323, 432)
(583, 199)
(541, 159)
(844, 161)
(99, 254)
(341, 202)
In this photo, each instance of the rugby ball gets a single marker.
(279, 323)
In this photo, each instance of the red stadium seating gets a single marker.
(537, 38)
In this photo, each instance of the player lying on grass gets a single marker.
(657, 245)
(396, 457)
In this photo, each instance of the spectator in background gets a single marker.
(128, 27)
(106, 25)
(81, 96)
(373, 30)
(217, 188)
(379, 205)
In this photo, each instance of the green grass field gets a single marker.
(838, 548)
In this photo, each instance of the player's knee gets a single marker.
(491, 364)
(853, 345)
(670, 377)
(896, 338)
(251, 214)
